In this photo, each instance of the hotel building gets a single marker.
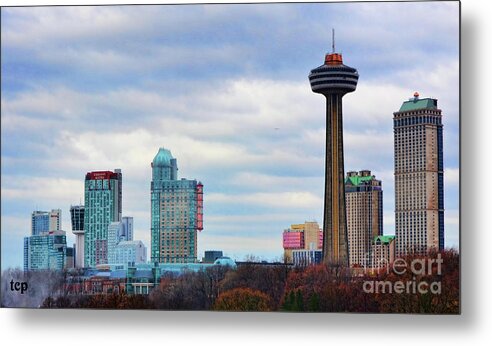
(45, 221)
(419, 190)
(45, 251)
(364, 203)
(176, 212)
(103, 190)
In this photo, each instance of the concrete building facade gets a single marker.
(364, 200)
(383, 251)
(419, 177)
(305, 236)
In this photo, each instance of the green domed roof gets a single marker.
(225, 261)
(163, 158)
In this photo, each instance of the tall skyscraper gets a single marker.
(45, 221)
(364, 198)
(304, 236)
(77, 218)
(176, 212)
(103, 192)
(419, 174)
(45, 251)
(333, 79)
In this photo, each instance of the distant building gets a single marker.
(103, 203)
(383, 251)
(135, 278)
(130, 251)
(115, 235)
(77, 219)
(45, 251)
(45, 221)
(127, 222)
(306, 236)
(364, 203)
(176, 212)
(305, 258)
(211, 256)
(419, 177)
(70, 258)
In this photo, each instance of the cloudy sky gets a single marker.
(225, 88)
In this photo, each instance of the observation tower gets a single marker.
(333, 79)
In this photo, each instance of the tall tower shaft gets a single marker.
(333, 79)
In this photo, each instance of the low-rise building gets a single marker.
(383, 251)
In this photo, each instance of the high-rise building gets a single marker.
(103, 192)
(176, 212)
(45, 251)
(364, 199)
(333, 79)
(77, 219)
(304, 236)
(419, 174)
(45, 221)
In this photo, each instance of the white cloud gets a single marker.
(29, 188)
(451, 177)
(275, 200)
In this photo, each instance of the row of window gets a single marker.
(416, 120)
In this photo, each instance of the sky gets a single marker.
(225, 88)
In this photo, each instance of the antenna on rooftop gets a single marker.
(333, 40)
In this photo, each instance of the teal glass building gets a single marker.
(45, 251)
(176, 212)
(45, 221)
(103, 194)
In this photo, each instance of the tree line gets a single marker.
(253, 287)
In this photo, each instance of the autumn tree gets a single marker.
(243, 299)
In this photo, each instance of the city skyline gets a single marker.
(236, 109)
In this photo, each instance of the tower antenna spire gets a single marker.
(333, 40)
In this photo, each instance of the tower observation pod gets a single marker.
(333, 79)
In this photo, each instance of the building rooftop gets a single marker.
(357, 179)
(384, 239)
(416, 103)
(163, 157)
(225, 261)
(131, 242)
